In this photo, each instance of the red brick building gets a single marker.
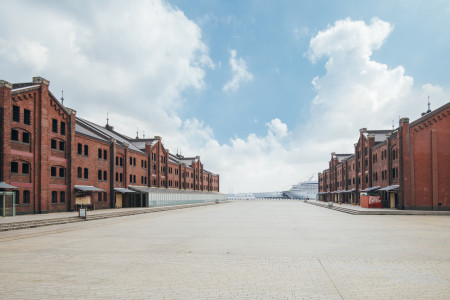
(406, 168)
(58, 160)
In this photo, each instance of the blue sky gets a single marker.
(273, 36)
(263, 91)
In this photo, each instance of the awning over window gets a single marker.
(370, 189)
(88, 188)
(123, 190)
(390, 188)
(4, 185)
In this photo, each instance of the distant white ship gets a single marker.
(306, 189)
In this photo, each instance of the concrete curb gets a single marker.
(381, 212)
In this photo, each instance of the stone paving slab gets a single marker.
(243, 250)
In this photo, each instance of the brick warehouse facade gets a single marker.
(404, 168)
(58, 160)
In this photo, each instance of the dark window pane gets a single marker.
(55, 125)
(27, 116)
(26, 168)
(14, 135)
(86, 173)
(62, 197)
(62, 146)
(53, 171)
(105, 175)
(26, 197)
(105, 154)
(54, 197)
(86, 150)
(62, 172)
(53, 144)
(80, 149)
(99, 153)
(16, 113)
(26, 137)
(80, 171)
(63, 128)
(99, 175)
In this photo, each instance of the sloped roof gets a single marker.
(91, 133)
(100, 130)
(342, 157)
(140, 143)
(380, 135)
(22, 87)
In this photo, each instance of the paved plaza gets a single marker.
(237, 250)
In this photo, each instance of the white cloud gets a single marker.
(129, 58)
(354, 92)
(240, 73)
(357, 91)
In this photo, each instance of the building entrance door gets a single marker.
(392, 200)
(7, 204)
(118, 200)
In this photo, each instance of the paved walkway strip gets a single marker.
(32, 221)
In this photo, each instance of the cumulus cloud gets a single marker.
(129, 58)
(355, 92)
(240, 73)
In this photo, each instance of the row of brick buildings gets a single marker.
(404, 168)
(57, 160)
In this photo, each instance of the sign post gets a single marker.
(82, 212)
